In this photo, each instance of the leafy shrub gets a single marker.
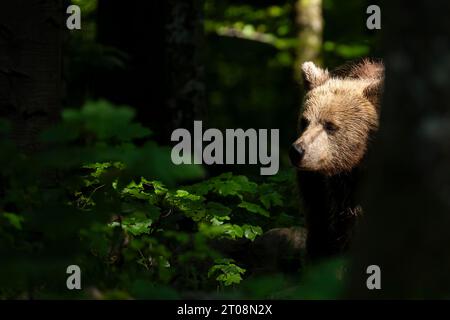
(103, 196)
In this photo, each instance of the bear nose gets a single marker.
(296, 154)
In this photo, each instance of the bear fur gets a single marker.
(338, 120)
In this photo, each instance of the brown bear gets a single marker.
(338, 120)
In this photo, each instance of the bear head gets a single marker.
(340, 113)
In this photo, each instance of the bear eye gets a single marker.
(304, 123)
(330, 126)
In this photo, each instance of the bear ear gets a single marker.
(373, 92)
(313, 76)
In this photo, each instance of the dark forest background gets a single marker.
(87, 180)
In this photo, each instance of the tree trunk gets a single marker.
(407, 207)
(310, 25)
(30, 67)
(184, 41)
(163, 78)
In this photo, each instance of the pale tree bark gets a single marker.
(310, 25)
(407, 207)
(30, 67)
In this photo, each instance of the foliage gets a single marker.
(323, 281)
(271, 25)
(229, 273)
(101, 195)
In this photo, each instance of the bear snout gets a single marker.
(296, 153)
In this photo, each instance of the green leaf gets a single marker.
(230, 278)
(271, 199)
(269, 195)
(233, 230)
(135, 225)
(227, 230)
(217, 209)
(254, 208)
(106, 121)
(228, 272)
(189, 204)
(14, 219)
(251, 232)
(225, 185)
(183, 194)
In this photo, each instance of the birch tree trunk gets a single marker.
(310, 25)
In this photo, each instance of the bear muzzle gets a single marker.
(296, 153)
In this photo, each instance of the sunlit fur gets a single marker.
(349, 100)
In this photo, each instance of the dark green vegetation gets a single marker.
(120, 212)
(99, 190)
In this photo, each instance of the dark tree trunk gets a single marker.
(407, 209)
(184, 70)
(30, 67)
(163, 78)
